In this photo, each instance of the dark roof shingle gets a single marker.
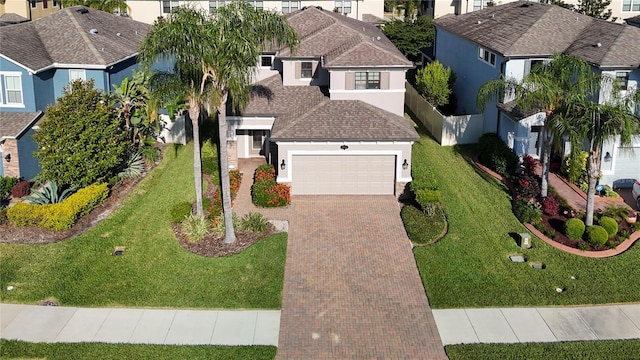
(14, 124)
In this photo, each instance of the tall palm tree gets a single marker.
(548, 87)
(596, 123)
(238, 34)
(215, 57)
(104, 5)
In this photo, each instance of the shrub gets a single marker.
(574, 228)
(618, 213)
(422, 228)
(597, 235)
(21, 188)
(265, 172)
(179, 211)
(527, 187)
(50, 194)
(428, 200)
(266, 192)
(434, 83)
(495, 154)
(574, 168)
(215, 207)
(529, 165)
(218, 227)
(254, 222)
(527, 211)
(134, 166)
(6, 183)
(59, 216)
(609, 224)
(195, 227)
(550, 205)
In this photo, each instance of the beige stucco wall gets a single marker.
(19, 7)
(144, 11)
(402, 151)
(391, 99)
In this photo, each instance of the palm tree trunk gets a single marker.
(593, 171)
(229, 231)
(546, 159)
(194, 114)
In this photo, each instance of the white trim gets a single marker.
(63, 65)
(5, 94)
(292, 153)
(367, 91)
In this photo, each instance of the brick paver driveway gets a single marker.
(352, 289)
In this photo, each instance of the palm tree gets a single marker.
(598, 122)
(104, 5)
(548, 87)
(215, 57)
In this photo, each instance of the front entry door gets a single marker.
(257, 142)
(535, 141)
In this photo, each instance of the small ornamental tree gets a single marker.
(409, 36)
(80, 140)
(434, 83)
(598, 9)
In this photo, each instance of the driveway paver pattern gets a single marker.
(352, 288)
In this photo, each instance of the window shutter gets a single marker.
(298, 69)
(384, 80)
(314, 66)
(527, 67)
(350, 81)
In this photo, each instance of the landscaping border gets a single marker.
(624, 246)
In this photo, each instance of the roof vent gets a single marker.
(479, 22)
(525, 5)
(118, 34)
(319, 7)
(82, 10)
(597, 45)
(93, 31)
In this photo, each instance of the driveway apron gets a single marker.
(352, 289)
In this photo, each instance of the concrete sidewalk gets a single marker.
(139, 326)
(546, 324)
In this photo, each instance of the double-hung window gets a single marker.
(215, 4)
(168, 5)
(266, 61)
(306, 70)
(487, 56)
(630, 5)
(622, 79)
(77, 74)
(258, 4)
(367, 80)
(480, 4)
(12, 89)
(290, 6)
(343, 6)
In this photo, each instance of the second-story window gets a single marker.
(367, 80)
(630, 5)
(487, 56)
(306, 70)
(13, 89)
(290, 6)
(33, 4)
(77, 74)
(343, 6)
(168, 5)
(258, 4)
(622, 79)
(266, 61)
(215, 4)
(481, 4)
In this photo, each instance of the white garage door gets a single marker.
(343, 174)
(627, 164)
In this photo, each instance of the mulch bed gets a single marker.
(214, 246)
(556, 223)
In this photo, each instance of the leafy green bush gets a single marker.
(195, 227)
(6, 183)
(609, 224)
(574, 168)
(428, 200)
(179, 211)
(574, 228)
(527, 212)
(618, 213)
(527, 187)
(254, 222)
(80, 140)
(266, 192)
(496, 155)
(422, 228)
(3, 215)
(50, 194)
(597, 235)
(434, 83)
(59, 216)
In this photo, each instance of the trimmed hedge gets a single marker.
(59, 216)
(6, 183)
(609, 224)
(597, 235)
(494, 153)
(574, 228)
(422, 228)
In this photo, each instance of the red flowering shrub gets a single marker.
(265, 191)
(527, 187)
(529, 165)
(21, 188)
(279, 195)
(550, 205)
(265, 172)
(235, 178)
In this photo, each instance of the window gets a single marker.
(33, 4)
(13, 90)
(266, 61)
(481, 4)
(630, 5)
(487, 56)
(256, 4)
(45, 4)
(622, 79)
(168, 5)
(257, 139)
(215, 4)
(306, 70)
(534, 63)
(77, 74)
(290, 6)
(343, 6)
(367, 80)
(55, 3)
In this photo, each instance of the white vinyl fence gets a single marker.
(447, 130)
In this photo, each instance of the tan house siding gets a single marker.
(11, 168)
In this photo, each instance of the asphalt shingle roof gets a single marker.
(523, 28)
(341, 40)
(14, 124)
(65, 37)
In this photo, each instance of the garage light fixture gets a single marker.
(405, 164)
(7, 157)
(607, 157)
(344, 147)
(283, 165)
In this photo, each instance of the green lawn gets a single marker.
(469, 266)
(154, 270)
(582, 350)
(19, 349)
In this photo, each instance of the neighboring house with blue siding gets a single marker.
(38, 59)
(508, 40)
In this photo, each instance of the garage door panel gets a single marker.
(627, 164)
(343, 174)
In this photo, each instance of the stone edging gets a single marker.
(622, 247)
